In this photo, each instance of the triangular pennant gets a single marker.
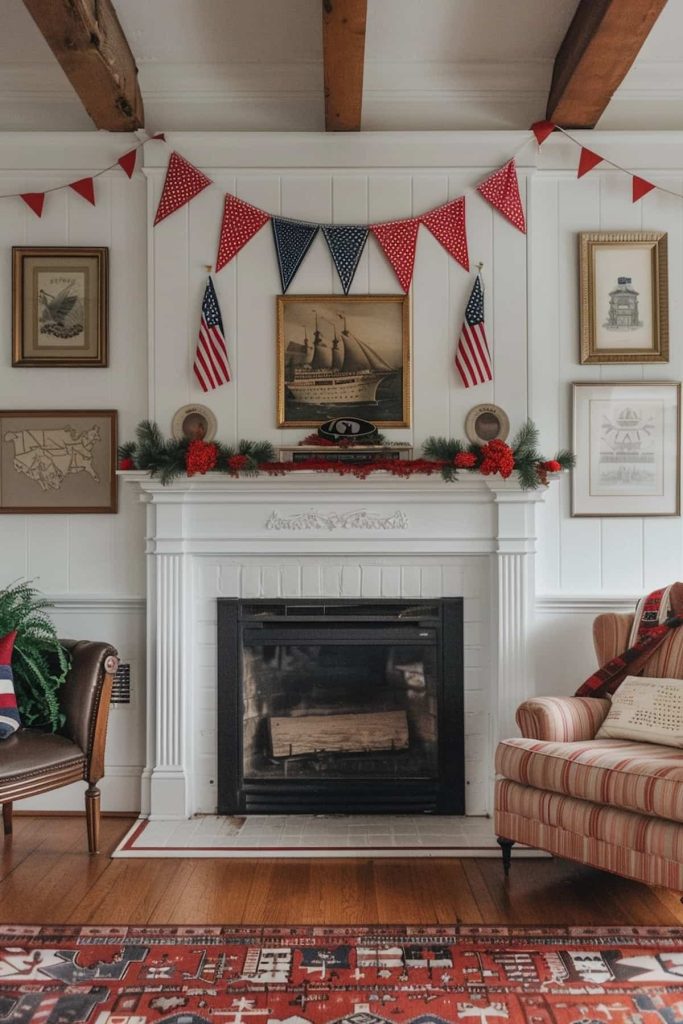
(398, 239)
(159, 137)
(447, 224)
(542, 129)
(587, 161)
(127, 162)
(501, 190)
(641, 187)
(293, 239)
(183, 182)
(346, 243)
(36, 200)
(86, 188)
(240, 223)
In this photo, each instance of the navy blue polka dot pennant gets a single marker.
(346, 243)
(293, 239)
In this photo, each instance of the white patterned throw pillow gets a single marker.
(649, 710)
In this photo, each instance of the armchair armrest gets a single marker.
(563, 719)
(85, 698)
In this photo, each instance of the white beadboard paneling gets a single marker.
(621, 544)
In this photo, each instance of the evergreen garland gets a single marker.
(39, 663)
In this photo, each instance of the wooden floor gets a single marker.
(47, 877)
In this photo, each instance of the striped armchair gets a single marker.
(613, 804)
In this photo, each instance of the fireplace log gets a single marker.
(310, 734)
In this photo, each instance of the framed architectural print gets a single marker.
(59, 306)
(343, 356)
(58, 461)
(627, 446)
(623, 280)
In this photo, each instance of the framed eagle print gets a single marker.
(59, 306)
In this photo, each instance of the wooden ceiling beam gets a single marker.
(343, 60)
(600, 46)
(89, 43)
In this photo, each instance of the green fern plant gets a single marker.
(39, 662)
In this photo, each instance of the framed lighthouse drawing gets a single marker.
(343, 356)
(59, 305)
(627, 444)
(623, 282)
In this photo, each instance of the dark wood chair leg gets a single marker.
(506, 848)
(7, 817)
(92, 817)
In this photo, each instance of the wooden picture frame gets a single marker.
(58, 461)
(624, 300)
(60, 311)
(362, 347)
(627, 441)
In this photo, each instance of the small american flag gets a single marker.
(473, 359)
(211, 365)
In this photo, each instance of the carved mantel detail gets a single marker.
(360, 519)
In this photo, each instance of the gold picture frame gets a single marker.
(352, 350)
(60, 306)
(627, 440)
(624, 302)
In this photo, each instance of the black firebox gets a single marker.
(342, 706)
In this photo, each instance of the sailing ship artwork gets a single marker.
(343, 356)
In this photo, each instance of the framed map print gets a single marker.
(58, 461)
(627, 445)
(59, 306)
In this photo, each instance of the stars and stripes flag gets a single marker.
(211, 367)
(472, 358)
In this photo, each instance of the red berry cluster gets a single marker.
(237, 462)
(126, 463)
(498, 457)
(465, 460)
(201, 457)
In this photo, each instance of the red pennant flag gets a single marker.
(641, 187)
(447, 224)
(160, 137)
(183, 182)
(542, 129)
(241, 221)
(398, 239)
(127, 162)
(86, 188)
(587, 161)
(501, 190)
(36, 200)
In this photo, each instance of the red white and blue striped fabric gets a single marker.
(211, 367)
(9, 714)
(473, 359)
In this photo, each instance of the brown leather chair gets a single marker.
(34, 761)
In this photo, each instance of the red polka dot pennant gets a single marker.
(398, 239)
(240, 223)
(447, 224)
(501, 190)
(183, 182)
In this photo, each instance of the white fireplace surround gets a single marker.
(309, 535)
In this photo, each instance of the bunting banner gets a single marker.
(240, 223)
(35, 201)
(587, 161)
(398, 239)
(85, 187)
(501, 190)
(641, 187)
(183, 182)
(447, 224)
(542, 129)
(293, 239)
(127, 162)
(346, 243)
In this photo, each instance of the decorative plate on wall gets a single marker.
(194, 422)
(487, 423)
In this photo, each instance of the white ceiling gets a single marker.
(257, 65)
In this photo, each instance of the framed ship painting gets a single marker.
(59, 305)
(343, 356)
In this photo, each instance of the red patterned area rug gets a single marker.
(351, 975)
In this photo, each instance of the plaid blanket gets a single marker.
(656, 615)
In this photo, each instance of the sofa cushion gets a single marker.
(635, 776)
(647, 711)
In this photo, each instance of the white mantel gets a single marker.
(313, 535)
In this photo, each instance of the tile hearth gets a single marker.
(308, 835)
